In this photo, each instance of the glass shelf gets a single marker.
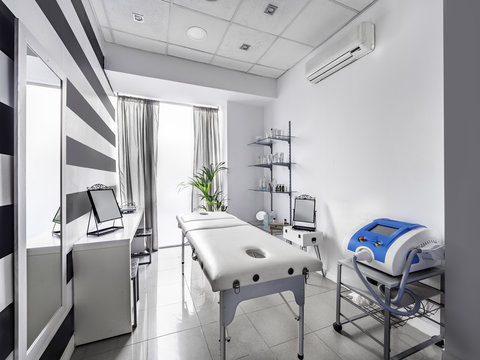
(270, 140)
(286, 164)
(273, 192)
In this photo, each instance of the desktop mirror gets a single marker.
(40, 283)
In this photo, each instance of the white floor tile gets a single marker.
(276, 324)
(184, 345)
(168, 319)
(245, 340)
(314, 348)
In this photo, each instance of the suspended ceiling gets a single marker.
(277, 42)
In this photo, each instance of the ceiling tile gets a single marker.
(223, 9)
(181, 19)
(318, 21)
(231, 64)
(356, 4)
(99, 11)
(119, 16)
(107, 35)
(237, 35)
(189, 54)
(266, 71)
(251, 13)
(138, 42)
(284, 54)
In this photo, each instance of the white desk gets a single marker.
(103, 295)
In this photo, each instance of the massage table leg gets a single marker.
(183, 252)
(301, 329)
(230, 298)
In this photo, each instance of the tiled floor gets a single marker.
(178, 320)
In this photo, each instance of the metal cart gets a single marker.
(425, 292)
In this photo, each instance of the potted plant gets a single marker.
(202, 180)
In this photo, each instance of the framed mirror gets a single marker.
(40, 263)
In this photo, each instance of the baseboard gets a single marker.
(67, 354)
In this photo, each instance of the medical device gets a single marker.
(395, 248)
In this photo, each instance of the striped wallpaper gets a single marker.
(63, 28)
(7, 36)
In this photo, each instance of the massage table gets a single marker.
(243, 262)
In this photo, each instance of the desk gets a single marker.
(103, 294)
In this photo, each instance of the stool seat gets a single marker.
(144, 232)
(134, 268)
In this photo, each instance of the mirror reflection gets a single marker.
(43, 194)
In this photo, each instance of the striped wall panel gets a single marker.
(90, 144)
(7, 313)
(87, 26)
(57, 19)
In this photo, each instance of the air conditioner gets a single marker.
(336, 54)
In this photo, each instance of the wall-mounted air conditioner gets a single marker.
(338, 53)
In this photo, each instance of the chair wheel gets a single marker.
(337, 327)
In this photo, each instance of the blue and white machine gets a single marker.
(395, 248)
(390, 241)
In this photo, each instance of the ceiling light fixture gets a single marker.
(244, 47)
(138, 17)
(196, 33)
(270, 9)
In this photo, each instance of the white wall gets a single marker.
(244, 123)
(369, 139)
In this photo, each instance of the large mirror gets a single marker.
(43, 193)
(40, 287)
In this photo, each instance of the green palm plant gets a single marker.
(202, 180)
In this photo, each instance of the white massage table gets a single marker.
(243, 262)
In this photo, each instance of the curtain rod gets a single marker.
(167, 102)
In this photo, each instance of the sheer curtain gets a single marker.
(137, 156)
(206, 133)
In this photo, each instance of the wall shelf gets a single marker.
(270, 141)
(287, 164)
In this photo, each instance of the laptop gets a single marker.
(304, 214)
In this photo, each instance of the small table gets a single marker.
(304, 239)
(424, 292)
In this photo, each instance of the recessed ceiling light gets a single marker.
(270, 9)
(244, 47)
(196, 33)
(138, 17)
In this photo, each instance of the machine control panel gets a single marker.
(379, 235)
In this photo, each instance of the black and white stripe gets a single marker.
(7, 37)
(90, 139)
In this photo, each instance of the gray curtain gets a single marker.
(137, 156)
(206, 130)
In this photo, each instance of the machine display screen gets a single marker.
(383, 230)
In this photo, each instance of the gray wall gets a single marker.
(462, 177)
(244, 122)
